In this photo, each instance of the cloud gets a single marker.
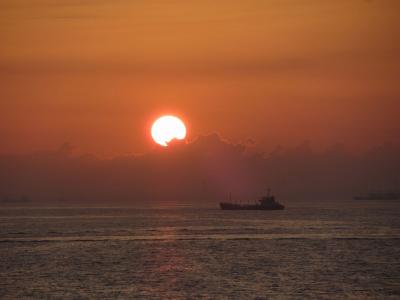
(201, 172)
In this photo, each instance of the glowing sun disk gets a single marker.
(167, 128)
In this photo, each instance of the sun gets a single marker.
(167, 128)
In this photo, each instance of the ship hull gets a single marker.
(376, 198)
(231, 206)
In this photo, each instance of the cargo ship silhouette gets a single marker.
(267, 202)
(378, 196)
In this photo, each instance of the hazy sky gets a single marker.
(97, 72)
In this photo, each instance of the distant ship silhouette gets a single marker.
(378, 196)
(265, 203)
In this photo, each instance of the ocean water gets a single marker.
(325, 251)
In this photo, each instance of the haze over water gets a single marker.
(300, 96)
(315, 250)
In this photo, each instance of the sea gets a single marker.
(315, 250)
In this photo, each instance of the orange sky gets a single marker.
(96, 72)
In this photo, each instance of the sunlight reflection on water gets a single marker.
(127, 253)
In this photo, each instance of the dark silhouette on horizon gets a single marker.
(199, 172)
(267, 202)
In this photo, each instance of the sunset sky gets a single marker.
(96, 73)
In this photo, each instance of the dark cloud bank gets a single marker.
(198, 173)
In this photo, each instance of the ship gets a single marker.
(378, 196)
(267, 202)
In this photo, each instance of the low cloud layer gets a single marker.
(202, 172)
